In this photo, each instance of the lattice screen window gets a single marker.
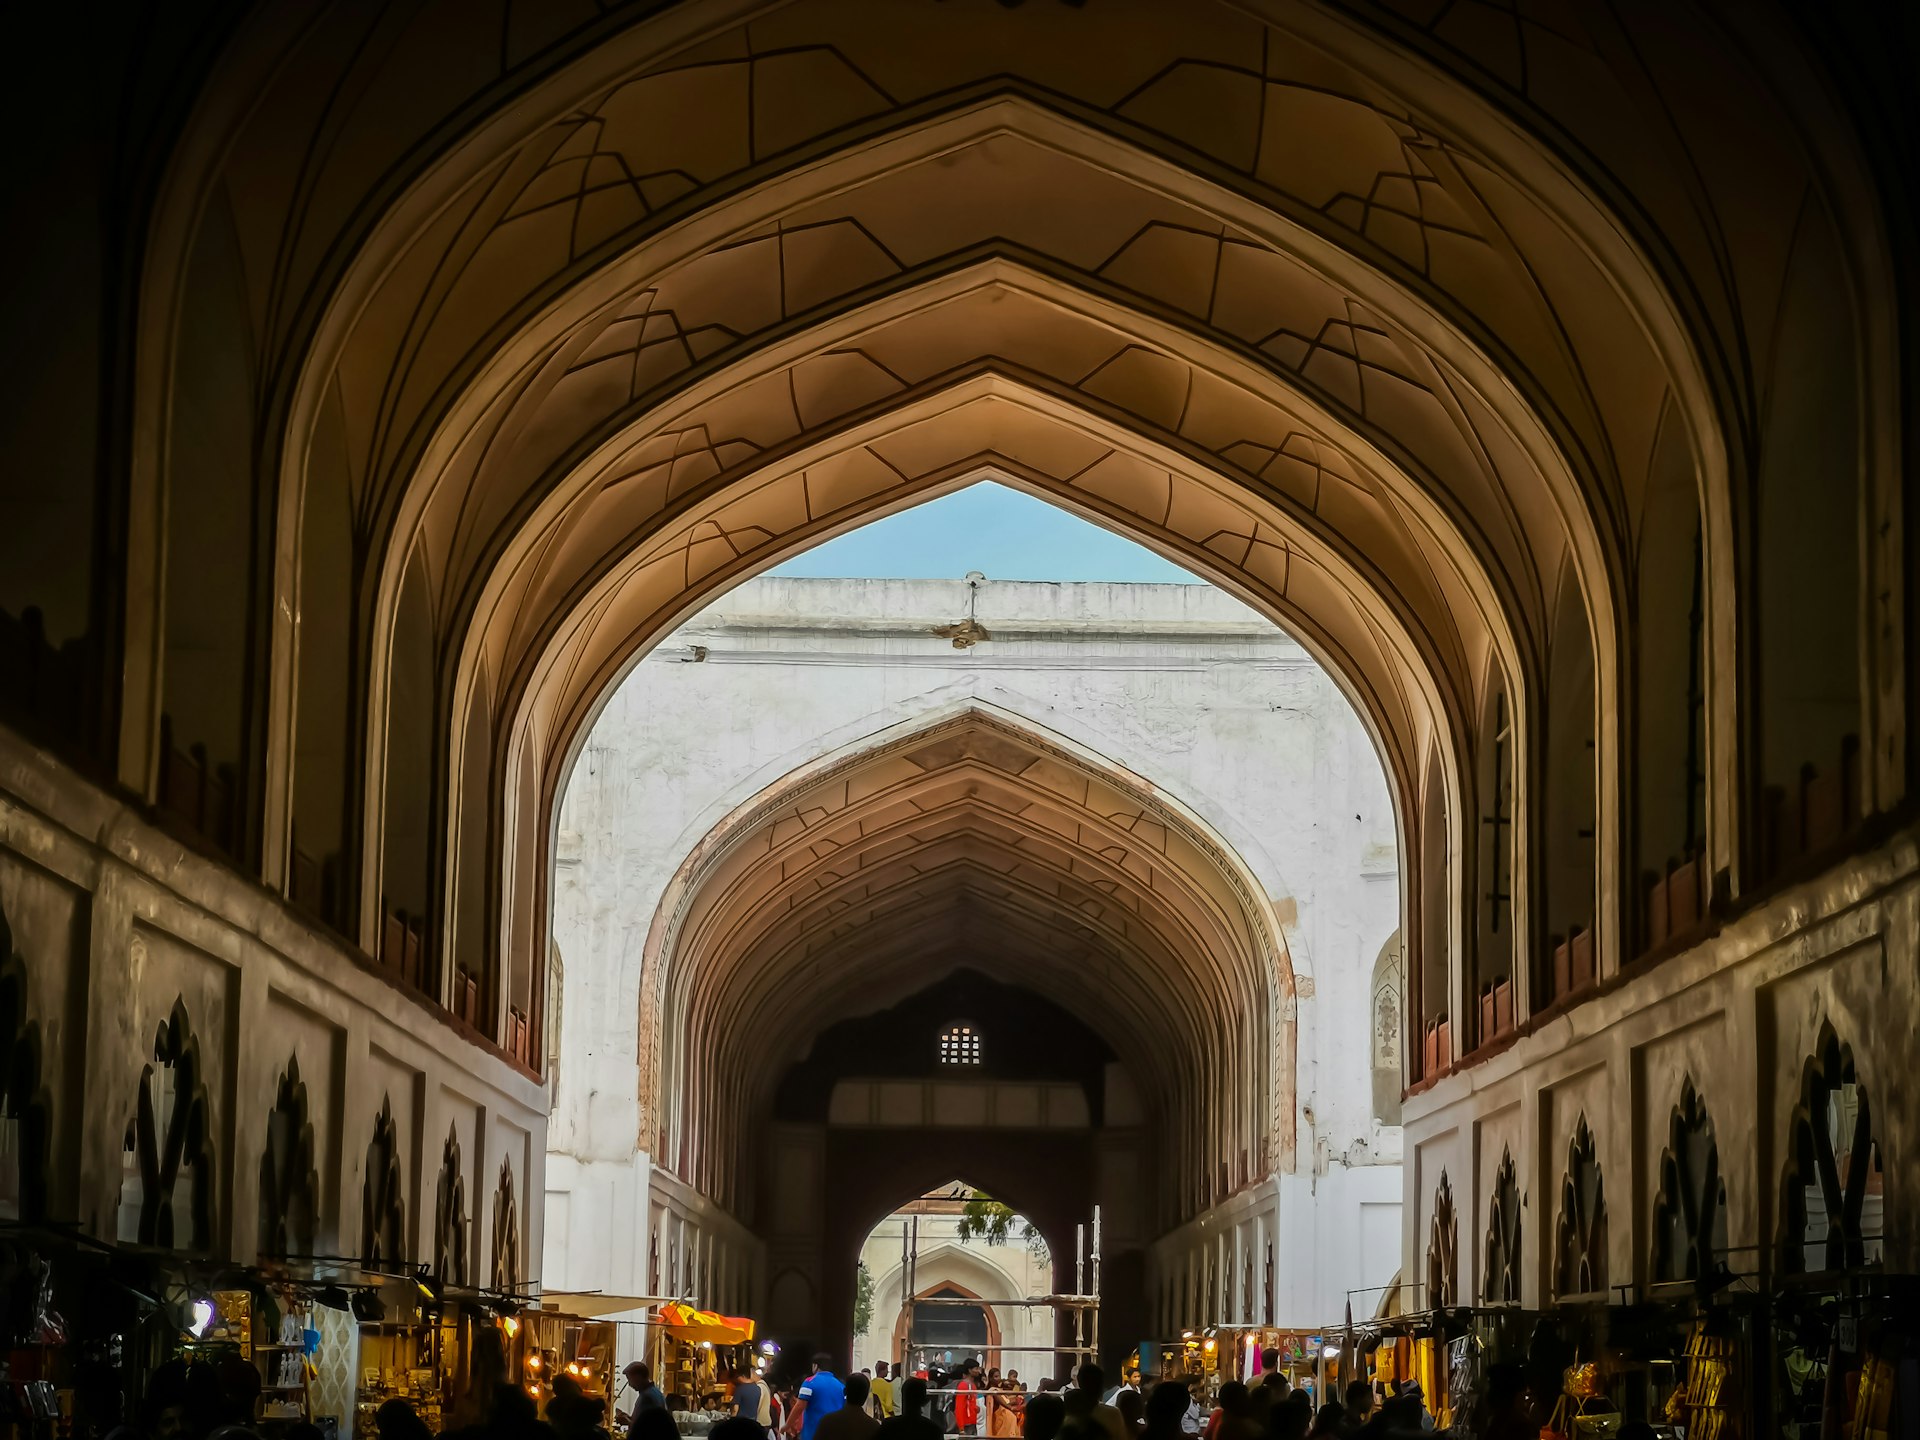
(960, 1044)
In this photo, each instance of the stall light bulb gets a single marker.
(203, 1313)
(533, 1361)
(511, 1326)
(706, 1344)
(1332, 1352)
(1210, 1347)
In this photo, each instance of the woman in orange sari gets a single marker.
(1004, 1407)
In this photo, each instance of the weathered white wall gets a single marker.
(113, 921)
(1739, 1015)
(1181, 684)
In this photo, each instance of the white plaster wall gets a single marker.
(1335, 1238)
(1180, 683)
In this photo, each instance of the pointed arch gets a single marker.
(1690, 1207)
(1832, 1190)
(977, 814)
(289, 1179)
(383, 1197)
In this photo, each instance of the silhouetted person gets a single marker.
(1289, 1420)
(473, 1411)
(1397, 1417)
(1084, 1404)
(851, 1421)
(654, 1425)
(910, 1421)
(1509, 1406)
(738, 1427)
(574, 1414)
(1271, 1379)
(1166, 1408)
(1230, 1404)
(1330, 1422)
(1132, 1406)
(1359, 1404)
(395, 1420)
(1046, 1413)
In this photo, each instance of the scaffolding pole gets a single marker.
(1083, 1303)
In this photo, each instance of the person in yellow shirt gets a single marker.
(882, 1390)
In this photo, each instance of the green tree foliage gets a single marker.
(997, 1223)
(862, 1298)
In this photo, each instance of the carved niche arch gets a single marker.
(450, 1214)
(289, 1183)
(1690, 1210)
(506, 1232)
(1386, 1018)
(169, 1141)
(1831, 1191)
(26, 1108)
(1580, 1249)
(1501, 1284)
(383, 1196)
(1443, 1248)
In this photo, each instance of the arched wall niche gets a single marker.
(699, 1087)
(1386, 1029)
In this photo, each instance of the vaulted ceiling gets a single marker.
(1527, 369)
(979, 843)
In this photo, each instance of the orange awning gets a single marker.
(684, 1322)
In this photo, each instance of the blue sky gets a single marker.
(1003, 533)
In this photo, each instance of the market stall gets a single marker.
(552, 1343)
(697, 1352)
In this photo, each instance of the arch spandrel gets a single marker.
(1024, 320)
(713, 546)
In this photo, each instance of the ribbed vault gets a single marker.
(1459, 342)
(971, 841)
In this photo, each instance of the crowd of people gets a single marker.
(974, 1401)
(203, 1402)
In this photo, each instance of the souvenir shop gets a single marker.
(697, 1352)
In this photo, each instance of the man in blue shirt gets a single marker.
(820, 1395)
(647, 1395)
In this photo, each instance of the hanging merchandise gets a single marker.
(1716, 1380)
(1463, 1378)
